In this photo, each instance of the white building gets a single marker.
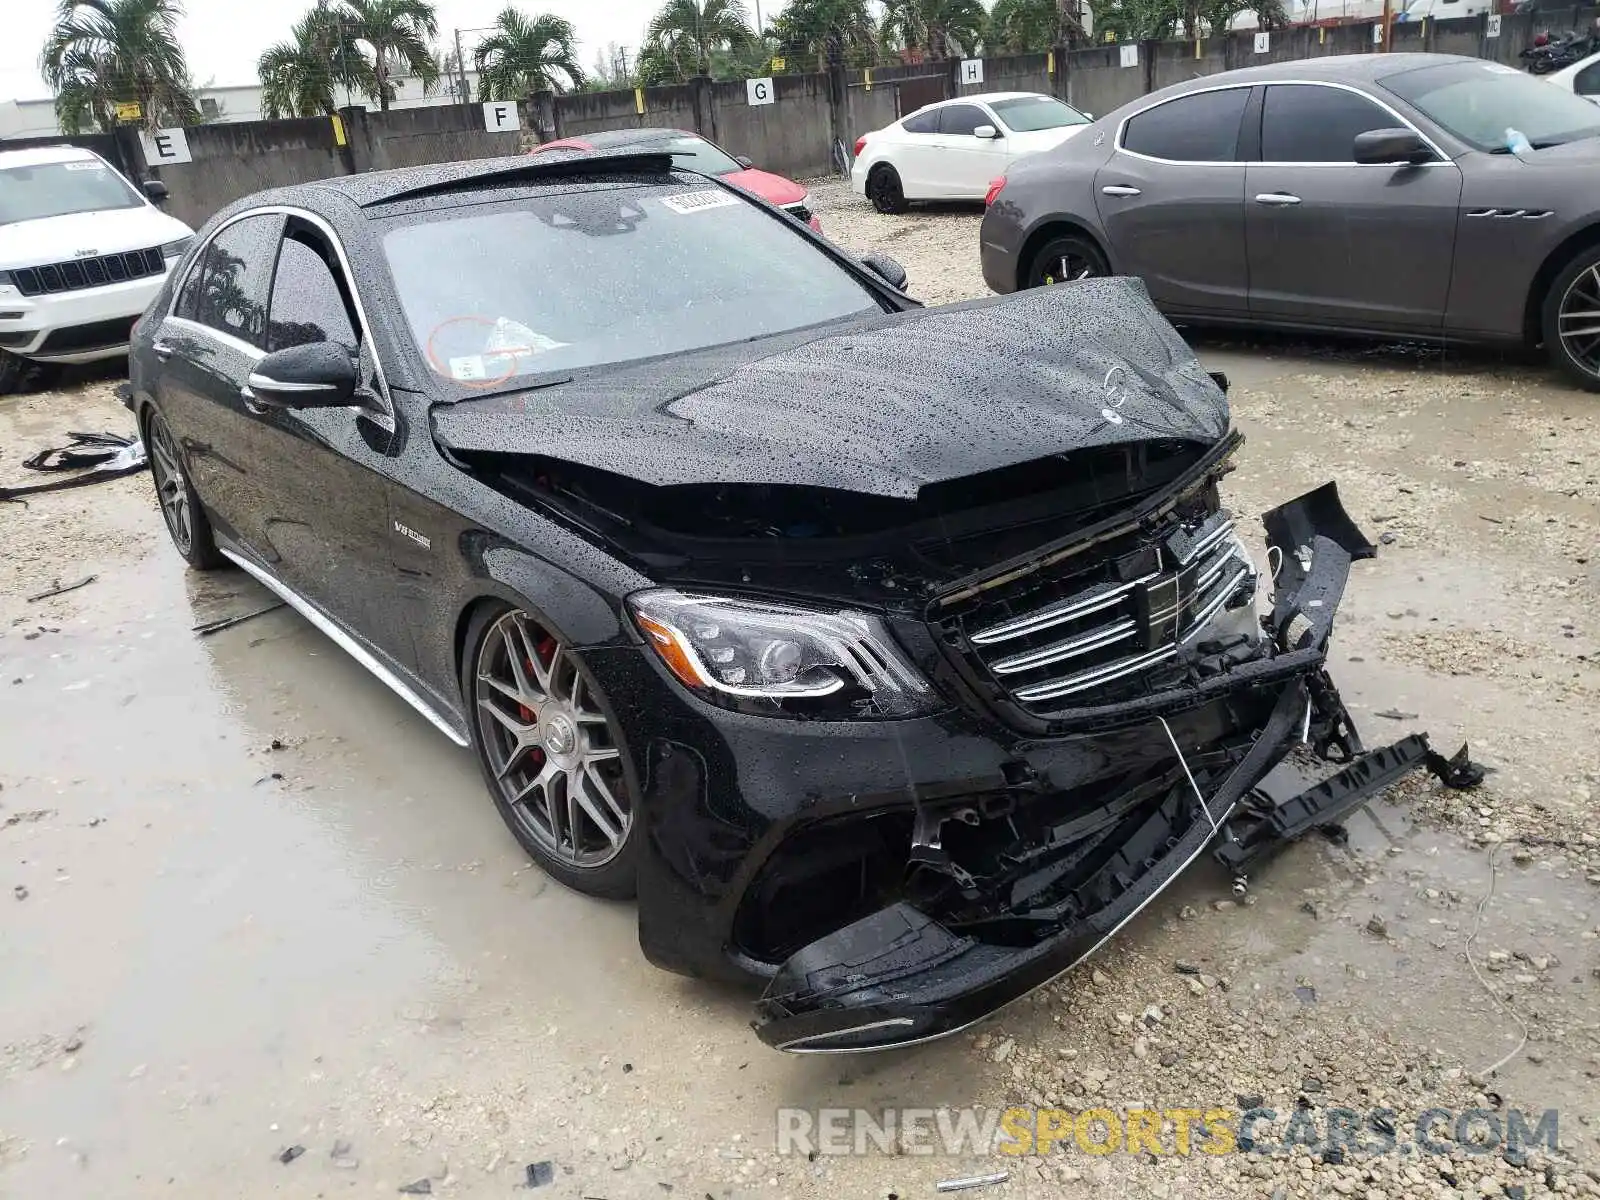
(37, 118)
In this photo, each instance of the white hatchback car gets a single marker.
(955, 149)
(1582, 77)
(82, 252)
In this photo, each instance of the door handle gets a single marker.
(1277, 198)
(1120, 189)
(162, 350)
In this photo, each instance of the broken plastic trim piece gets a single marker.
(106, 455)
(1261, 830)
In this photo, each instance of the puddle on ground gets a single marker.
(1377, 929)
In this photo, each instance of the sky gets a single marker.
(223, 38)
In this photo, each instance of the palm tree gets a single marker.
(1023, 26)
(398, 33)
(104, 52)
(526, 54)
(828, 32)
(681, 37)
(298, 76)
(941, 28)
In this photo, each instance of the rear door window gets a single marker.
(922, 122)
(234, 275)
(1304, 123)
(1203, 127)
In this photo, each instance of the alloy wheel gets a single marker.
(1578, 320)
(172, 490)
(551, 750)
(1065, 267)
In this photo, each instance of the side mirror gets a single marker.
(1087, 113)
(316, 375)
(744, 160)
(156, 190)
(1382, 146)
(986, 132)
(885, 267)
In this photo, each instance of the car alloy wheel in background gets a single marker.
(550, 753)
(1063, 259)
(1576, 335)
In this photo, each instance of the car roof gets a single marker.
(384, 187)
(39, 155)
(1330, 68)
(987, 97)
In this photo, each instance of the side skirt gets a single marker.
(348, 644)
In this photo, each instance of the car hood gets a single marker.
(1582, 154)
(881, 406)
(774, 189)
(83, 235)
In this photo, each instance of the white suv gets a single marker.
(82, 253)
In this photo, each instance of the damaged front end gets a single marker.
(1144, 631)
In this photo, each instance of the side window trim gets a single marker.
(1235, 161)
(1443, 159)
(383, 412)
(1400, 122)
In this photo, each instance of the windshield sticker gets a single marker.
(468, 367)
(84, 166)
(688, 202)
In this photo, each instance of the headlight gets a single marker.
(773, 658)
(175, 249)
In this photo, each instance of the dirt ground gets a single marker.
(262, 933)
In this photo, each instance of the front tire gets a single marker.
(885, 191)
(547, 744)
(1064, 259)
(186, 520)
(12, 369)
(1570, 320)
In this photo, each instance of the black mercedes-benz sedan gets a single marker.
(892, 656)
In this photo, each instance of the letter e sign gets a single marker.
(165, 147)
(759, 91)
(501, 116)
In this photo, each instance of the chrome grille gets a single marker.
(1096, 633)
(89, 272)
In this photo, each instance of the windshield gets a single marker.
(608, 274)
(58, 188)
(1026, 114)
(1481, 102)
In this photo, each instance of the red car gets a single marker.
(692, 151)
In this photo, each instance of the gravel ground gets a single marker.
(1387, 973)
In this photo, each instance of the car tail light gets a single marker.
(861, 143)
(994, 190)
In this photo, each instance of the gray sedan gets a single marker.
(1414, 195)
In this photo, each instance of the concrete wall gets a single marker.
(1019, 73)
(414, 137)
(792, 136)
(1096, 81)
(591, 112)
(231, 161)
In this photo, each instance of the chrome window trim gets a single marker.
(383, 412)
(1443, 159)
(252, 352)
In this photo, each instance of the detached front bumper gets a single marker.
(899, 976)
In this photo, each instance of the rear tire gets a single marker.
(1570, 320)
(885, 191)
(186, 520)
(1066, 258)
